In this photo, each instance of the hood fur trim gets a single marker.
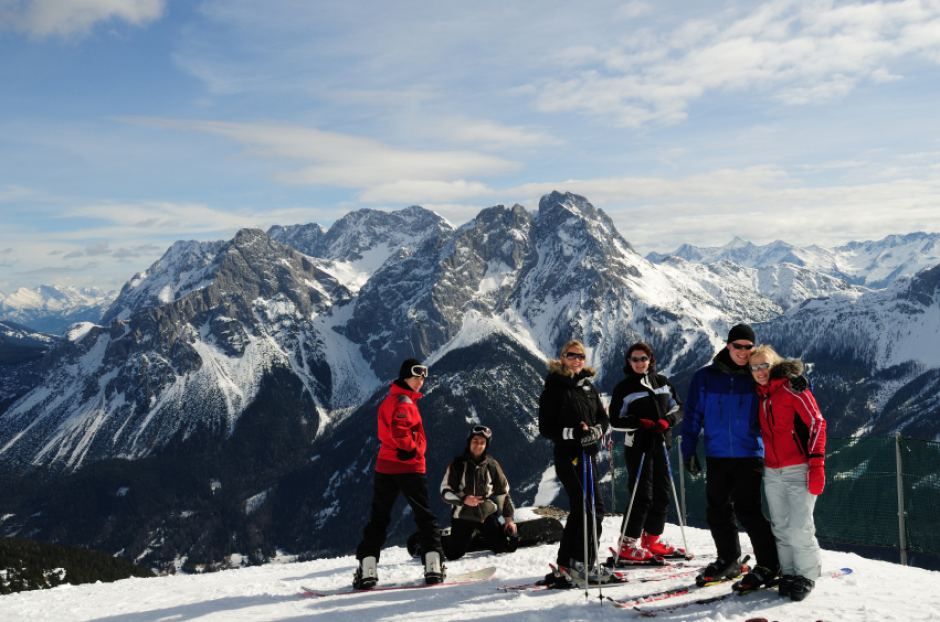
(555, 366)
(787, 368)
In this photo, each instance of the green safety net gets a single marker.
(860, 501)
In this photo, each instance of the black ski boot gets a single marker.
(801, 587)
(784, 585)
(757, 578)
(720, 570)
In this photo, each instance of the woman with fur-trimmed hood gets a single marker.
(794, 435)
(572, 416)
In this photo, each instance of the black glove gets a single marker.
(405, 456)
(799, 383)
(692, 465)
(591, 435)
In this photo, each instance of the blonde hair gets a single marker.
(572, 343)
(772, 357)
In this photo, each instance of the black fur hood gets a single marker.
(787, 368)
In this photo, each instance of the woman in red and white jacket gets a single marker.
(794, 434)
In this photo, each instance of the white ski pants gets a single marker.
(791, 516)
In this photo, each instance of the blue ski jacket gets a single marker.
(722, 401)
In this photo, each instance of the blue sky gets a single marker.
(128, 124)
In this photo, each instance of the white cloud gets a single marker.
(346, 161)
(789, 50)
(41, 18)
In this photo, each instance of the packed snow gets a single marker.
(875, 591)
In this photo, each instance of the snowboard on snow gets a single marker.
(543, 530)
(451, 580)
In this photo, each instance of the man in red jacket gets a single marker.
(400, 469)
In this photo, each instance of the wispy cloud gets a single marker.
(785, 50)
(346, 161)
(64, 18)
(54, 270)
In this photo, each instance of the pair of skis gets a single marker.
(638, 604)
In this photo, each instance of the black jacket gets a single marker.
(644, 396)
(566, 401)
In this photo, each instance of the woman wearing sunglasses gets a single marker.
(572, 416)
(794, 434)
(400, 468)
(645, 406)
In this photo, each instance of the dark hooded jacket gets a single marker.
(566, 401)
(484, 478)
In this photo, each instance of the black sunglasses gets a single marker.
(575, 355)
(639, 359)
(742, 346)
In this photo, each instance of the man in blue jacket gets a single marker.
(722, 401)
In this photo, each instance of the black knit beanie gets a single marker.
(741, 331)
(405, 372)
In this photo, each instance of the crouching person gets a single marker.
(400, 468)
(474, 484)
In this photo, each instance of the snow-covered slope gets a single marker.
(874, 264)
(194, 362)
(51, 308)
(874, 592)
(874, 355)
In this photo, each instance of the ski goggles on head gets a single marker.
(419, 370)
(482, 430)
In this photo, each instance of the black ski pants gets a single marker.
(571, 476)
(651, 500)
(461, 532)
(732, 488)
(385, 487)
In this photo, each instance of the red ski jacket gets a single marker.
(401, 433)
(791, 425)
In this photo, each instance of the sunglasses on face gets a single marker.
(574, 355)
(639, 359)
(419, 370)
(761, 366)
(742, 346)
(482, 430)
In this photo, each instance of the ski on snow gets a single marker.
(680, 569)
(634, 602)
(455, 579)
(652, 613)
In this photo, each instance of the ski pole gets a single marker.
(676, 497)
(636, 484)
(584, 565)
(597, 551)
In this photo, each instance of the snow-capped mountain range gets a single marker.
(874, 264)
(51, 308)
(255, 365)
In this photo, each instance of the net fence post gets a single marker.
(900, 471)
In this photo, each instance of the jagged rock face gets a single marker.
(191, 364)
